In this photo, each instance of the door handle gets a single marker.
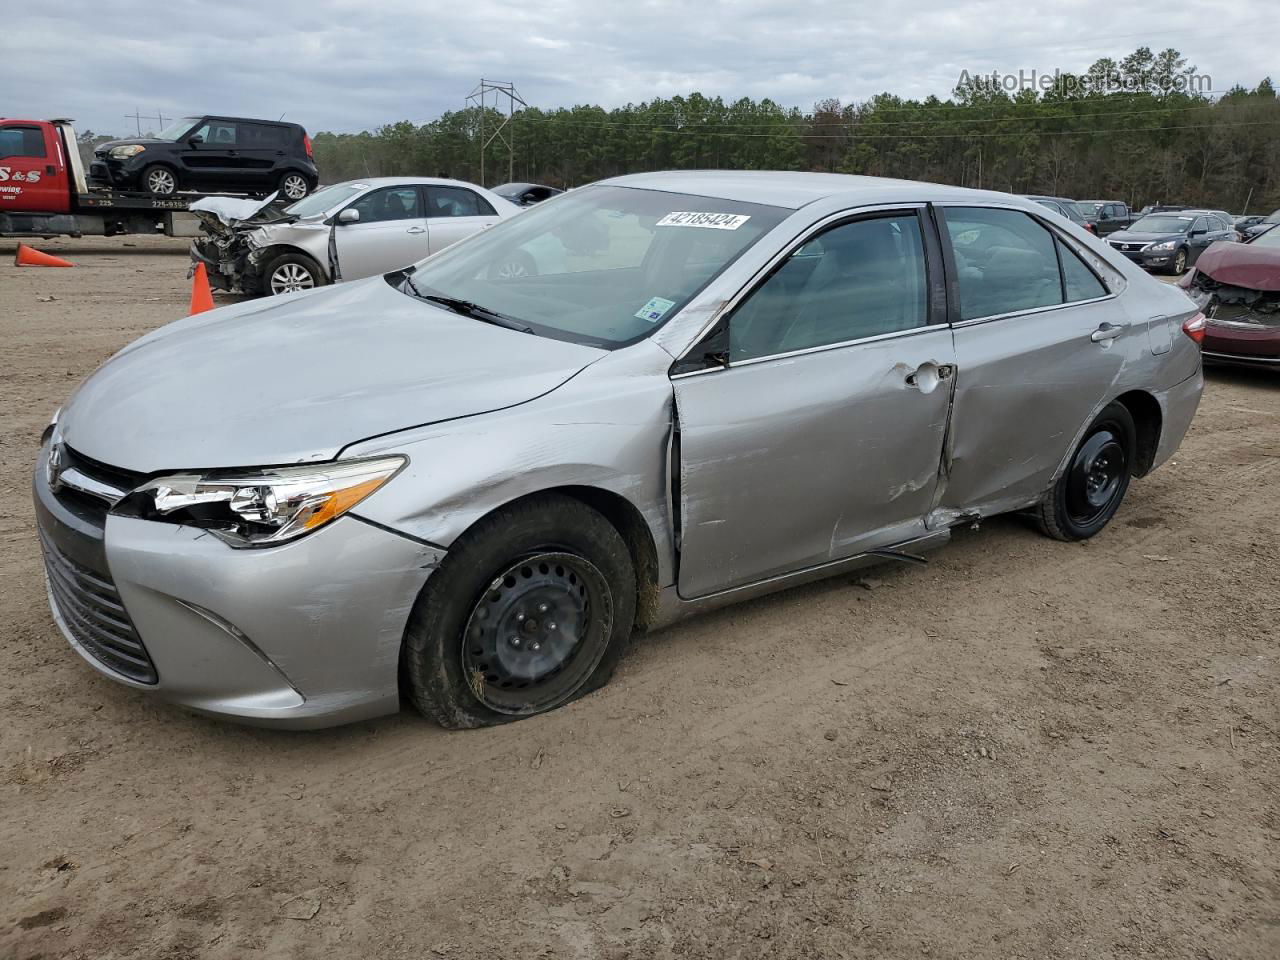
(1106, 332)
(927, 376)
(416, 230)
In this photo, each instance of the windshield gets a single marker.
(603, 265)
(324, 200)
(1268, 238)
(176, 129)
(1273, 217)
(1158, 223)
(1085, 208)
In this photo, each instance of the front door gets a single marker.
(30, 158)
(391, 233)
(1039, 344)
(821, 437)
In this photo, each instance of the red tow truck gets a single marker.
(44, 192)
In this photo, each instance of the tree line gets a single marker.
(1156, 139)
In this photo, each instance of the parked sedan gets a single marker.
(1263, 225)
(1171, 242)
(1237, 285)
(344, 232)
(1066, 208)
(471, 488)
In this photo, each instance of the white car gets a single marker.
(344, 232)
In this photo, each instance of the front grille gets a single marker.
(111, 483)
(93, 614)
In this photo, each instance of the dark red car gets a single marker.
(1237, 287)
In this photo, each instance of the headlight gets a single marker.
(262, 508)
(124, 151)
(1167, 245)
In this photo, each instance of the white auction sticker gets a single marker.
(714, 221)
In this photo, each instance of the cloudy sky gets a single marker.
(347, 66)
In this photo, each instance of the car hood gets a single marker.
(1242, 265)
(1132, 236)
(295, 379)
(144, 141)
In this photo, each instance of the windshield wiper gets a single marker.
(468, 309)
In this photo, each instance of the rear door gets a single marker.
(261, 147)
(390, 233)
(820, 436)
(1039, 341)
(455, 213)
(32, 169)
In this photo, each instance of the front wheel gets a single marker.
(529, 610)
(159, 181)
(1089, 492)
(291, 272)
(1179, 262)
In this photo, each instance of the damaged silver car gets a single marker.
(344, 232)
(469, 487)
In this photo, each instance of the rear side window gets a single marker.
(21, 142)
(457, 202)
(1078, 281)
(263, 136)
(389, 203)
(856, 280)
(1005, 262)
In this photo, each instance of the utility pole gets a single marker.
(505, 132)
(137, 119)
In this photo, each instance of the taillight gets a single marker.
(1194, 328)
(306, 145)
(1091, 228)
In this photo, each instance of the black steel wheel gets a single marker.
(1089, 492)
(530, 609)
(534, 635)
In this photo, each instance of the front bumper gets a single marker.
(110, 172)
(1151, 260)
(306, 634)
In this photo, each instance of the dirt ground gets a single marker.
(1025, 750)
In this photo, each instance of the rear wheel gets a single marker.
(294, 186)
(159, 181)
(529, 610)
(291, 272)
(1090, 490)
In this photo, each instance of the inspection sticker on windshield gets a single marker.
(655, 309)
(714, 221)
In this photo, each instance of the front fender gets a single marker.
(609, 428)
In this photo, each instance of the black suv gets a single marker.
(214, 155)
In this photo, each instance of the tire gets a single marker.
(289, 273)
(1179, 265)
(159, 180)
(517, 267)
(293, 186)
(1090, 490)
(475, 651)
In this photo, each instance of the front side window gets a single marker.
(457, 202)
(218, 133)
(856, 280)
(389, 203)
(21, 142)
(603, 265)
(1005, 262)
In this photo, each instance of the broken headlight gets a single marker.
(125, 151)
(263, 508)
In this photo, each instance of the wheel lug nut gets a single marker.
(535, 646)
(520, 617)
(543, 608)
(514, 641)
(551, 625)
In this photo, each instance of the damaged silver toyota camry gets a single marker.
(469, 487)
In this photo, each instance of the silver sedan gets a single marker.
(470, 487)
(348, 231)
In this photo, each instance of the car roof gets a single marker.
(218, 116)
(795, 190)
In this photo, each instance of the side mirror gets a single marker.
(195, 140)
(1199, 232)
(349, 215)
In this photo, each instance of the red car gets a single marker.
(1237, 287)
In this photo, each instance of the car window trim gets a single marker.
(935, 272)
(952, 286)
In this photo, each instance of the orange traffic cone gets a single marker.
(30, 257)
(201, 295)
